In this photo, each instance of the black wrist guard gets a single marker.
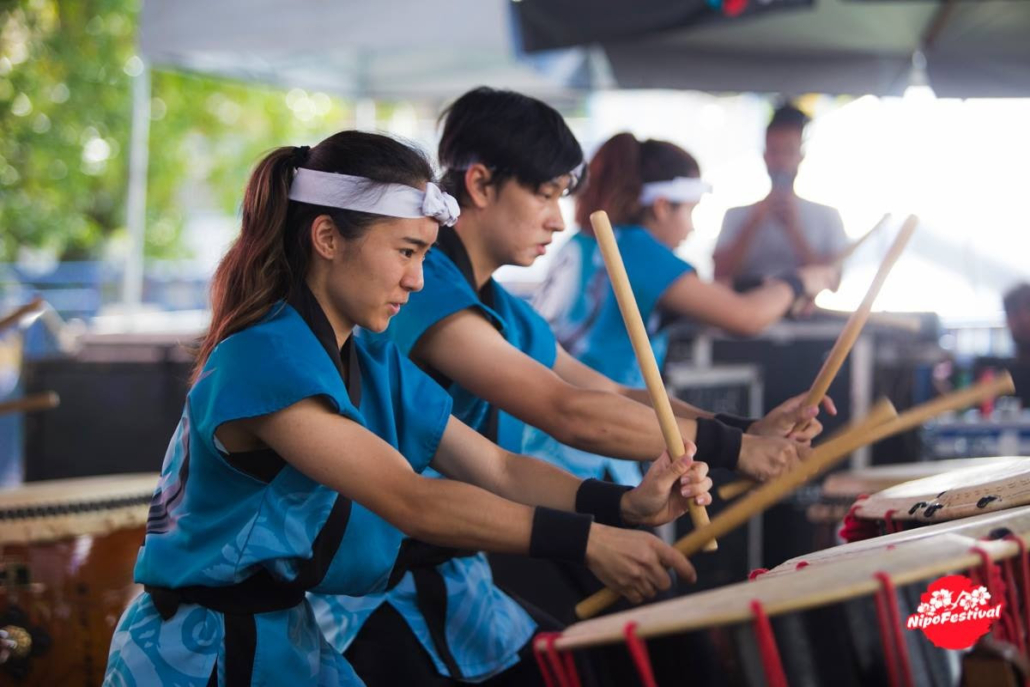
(603, 500)
(559, 535)
(741, 423)
(717, 444)
(792, 280)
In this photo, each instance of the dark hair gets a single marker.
(618, 170)
(272, 253)
(516, 136)
(788, 117)
(1016, 298)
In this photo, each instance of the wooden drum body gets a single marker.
(67, 552)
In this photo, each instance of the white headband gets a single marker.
(365, 195)
(678, 190)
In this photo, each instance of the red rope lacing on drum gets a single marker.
(561, 679)
(771, 663)
(989, 575)
(538, 655)
(638, 651)
(899, 668)
(570, 670)
(756, 573)
(1011, 609)
(1024, 568)
(856, 528)
(888, 519)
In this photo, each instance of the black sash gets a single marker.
(420, 558)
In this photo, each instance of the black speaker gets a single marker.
(121, 398)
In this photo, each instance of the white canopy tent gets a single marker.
(383, 49)
(416, 50)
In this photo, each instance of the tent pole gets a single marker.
(136, 210)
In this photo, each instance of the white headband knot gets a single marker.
(366, 195)
(440, 205)
(678, 190)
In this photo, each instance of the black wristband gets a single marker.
(792, 280)
(717, 444)
(603, 500)
(741, 423)
(559, 535)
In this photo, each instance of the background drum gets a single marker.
(67, 551)
(978, 488)
(841, 489)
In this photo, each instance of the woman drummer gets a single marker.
(508, 159)
(649, 190)
(295, 465)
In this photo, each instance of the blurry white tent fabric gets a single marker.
(384, 49)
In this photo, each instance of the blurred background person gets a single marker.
(783, 231)
(1017, 316)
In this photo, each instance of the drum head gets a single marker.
(854, 483)
(58, 509)
(980, 488)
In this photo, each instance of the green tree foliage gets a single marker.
(66, 72)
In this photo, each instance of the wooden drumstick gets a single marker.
(839, 259)
(27, 404)
(842, 346)
(645, 355)
(876, 426)
(33, 305)
(845, 341)
(857, 243)
(731, 490)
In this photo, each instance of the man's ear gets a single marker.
(477, 184)
(325, 239)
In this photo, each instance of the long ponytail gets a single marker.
(613, 182)
(254, 272)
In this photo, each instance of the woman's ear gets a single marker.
(325, 239)
(662, 209)
(477, 184)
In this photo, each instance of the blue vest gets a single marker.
(221, 520)
(578, 301)
(483, 626)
